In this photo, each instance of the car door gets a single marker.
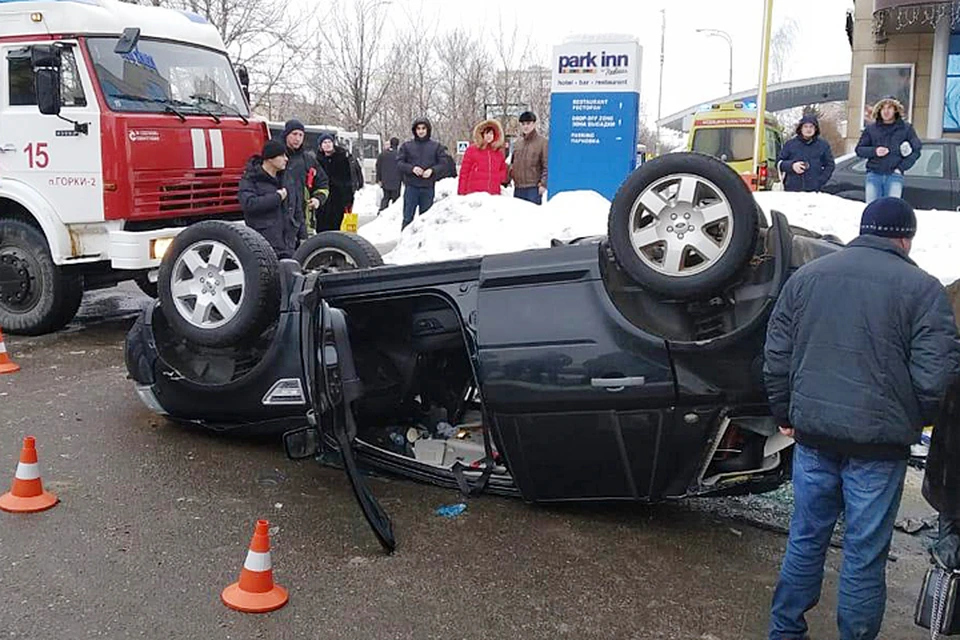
(46, 154)
(578, 396)
(333, 386)
(927, 184)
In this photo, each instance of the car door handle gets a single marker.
(617, 384)
(7, 147)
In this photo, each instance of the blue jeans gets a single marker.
(530, 194)
(414, 197)
(882, 185)
(868, 492)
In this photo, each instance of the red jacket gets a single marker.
(484, 168)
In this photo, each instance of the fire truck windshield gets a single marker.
(158, 74)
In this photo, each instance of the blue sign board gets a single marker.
(594, 116)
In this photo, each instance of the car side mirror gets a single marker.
(45, 61)
(128, 41)
(244, 77)
(301, 443)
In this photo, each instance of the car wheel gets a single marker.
(36, 296)
(219, 284)
(683, 225)
(337, 251)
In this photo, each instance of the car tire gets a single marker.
(337, 251)
(37, 296)
(683, 225)
(219, 284)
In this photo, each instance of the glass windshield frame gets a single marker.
(149, 96)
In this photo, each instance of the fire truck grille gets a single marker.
(194, 193)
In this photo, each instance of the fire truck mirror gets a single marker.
(45, 60)
(128, 41)
(244, 77)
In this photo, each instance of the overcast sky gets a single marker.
(695, 66)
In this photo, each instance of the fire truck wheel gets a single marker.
(219, 284)
(683, 225)
(337, 251)
(36, 296)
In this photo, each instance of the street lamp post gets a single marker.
(726, 36)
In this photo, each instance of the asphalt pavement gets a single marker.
(155, 520)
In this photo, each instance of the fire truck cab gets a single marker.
(120, 124)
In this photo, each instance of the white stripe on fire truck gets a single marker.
(3, 348)
(216, 148)
(199, 149)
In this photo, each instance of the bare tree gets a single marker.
(357, 65)
(463, 85)
(265, 36)
(781, 48)
(511, 53)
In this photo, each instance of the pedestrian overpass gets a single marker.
(781, 96)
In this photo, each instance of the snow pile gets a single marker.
(385, 229)
(482, 224)
(934, 247)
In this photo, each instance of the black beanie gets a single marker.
(273, 149)
(291, 125)
(889, 218)
(528, 116)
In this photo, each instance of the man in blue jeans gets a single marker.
(891, 147)
(421, 163)
(860, 347)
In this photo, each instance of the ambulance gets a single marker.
(120, 124)
(727, 131)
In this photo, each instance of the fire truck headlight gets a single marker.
(36, 17)
(159, 247)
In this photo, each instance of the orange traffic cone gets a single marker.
(255, 592)
(27, 494)
(6, 364)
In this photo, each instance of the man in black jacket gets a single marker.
(335, 161)
(388, 174)
(420, 161)
(806, 160)
(262, 200)
(302, 168)
(860, 347)
(891, 147)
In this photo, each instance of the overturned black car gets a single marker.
(624, 367)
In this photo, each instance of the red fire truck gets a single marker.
(120, 124)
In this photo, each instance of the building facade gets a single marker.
(909, 49)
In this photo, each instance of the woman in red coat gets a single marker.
(484, 166)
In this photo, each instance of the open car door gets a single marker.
(333, 386)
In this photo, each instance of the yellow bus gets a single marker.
(727, 131)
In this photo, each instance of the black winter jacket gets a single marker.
(263, 210)
(891, 136)
(420, 152)
(388, 172)
(816, 153)
(860, 348)
(301, 165)
(340, 173)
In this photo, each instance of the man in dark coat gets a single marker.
(302, 198)
(421, 162)
(449, 164)
(388, 174)
(335, 162)
(806, 160)
(891, 147)
(860, 347)
(263, 198)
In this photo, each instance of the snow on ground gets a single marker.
(935, 247)
(481, 224)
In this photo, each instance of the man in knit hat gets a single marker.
(263, 197)
(304, 179)
(860, 348)
(806, 160)
(891, 147)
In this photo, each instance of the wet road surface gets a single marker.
(155, 520)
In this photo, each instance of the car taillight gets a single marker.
(762, 178)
